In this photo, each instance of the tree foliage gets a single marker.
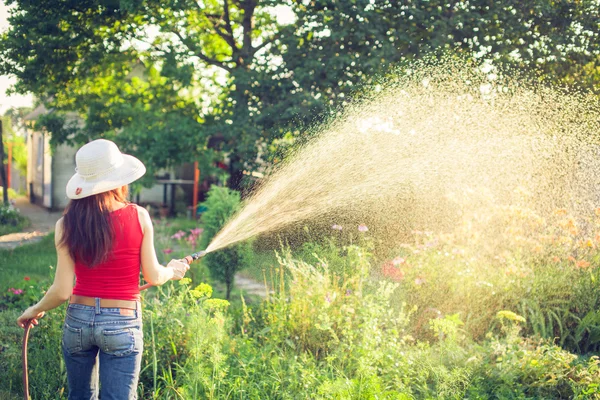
(221, 205)
(184, 80)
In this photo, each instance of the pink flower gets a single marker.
(362, 228)
(178, 235)
(18, 291)
(336, 227)
(197, 231)
(191, 239)
(167, 251)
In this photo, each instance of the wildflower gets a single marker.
(390, 271)
(582, 264)
(398, 260)
(362, 228)
(511, 270)
(202, 290)
(556, 259)
(16, 291)
(178, 235)
(27, 278)
(191, 239)
(196, 231)
(509, 315)
(216, 304)
(597, 210)
(336, 227)
(167, 251)
(419, 280)
(185, 281)
(328, 298)
(348, 292)
(560, 211)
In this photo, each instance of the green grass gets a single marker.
(172, 225)
(9, 228)
(31, 260)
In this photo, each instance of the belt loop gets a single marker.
(97, 300)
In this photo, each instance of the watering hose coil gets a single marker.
(189, 259)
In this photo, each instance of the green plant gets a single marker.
(36, 260)
(47, 374)
(10, 219)
(222, 204)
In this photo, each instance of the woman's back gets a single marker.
(118, 276)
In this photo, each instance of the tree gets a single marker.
(338, 47)
(2, 169)
(221, 205)
(222, 78)
(82, 56)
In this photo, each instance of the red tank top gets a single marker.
(119, 276)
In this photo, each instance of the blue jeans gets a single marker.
(102, 348)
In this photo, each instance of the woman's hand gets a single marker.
(32, 314)
(179, 268)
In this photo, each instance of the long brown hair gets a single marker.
(87, 230)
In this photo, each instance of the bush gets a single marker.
(174, 315)
(10, 219)
(222, 204)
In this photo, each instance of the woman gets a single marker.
(101, 241)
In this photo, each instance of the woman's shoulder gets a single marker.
(140, 209)
(143, 216)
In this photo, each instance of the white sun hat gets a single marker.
(102, 167)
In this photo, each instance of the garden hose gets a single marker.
(189, 259)
(24, 356)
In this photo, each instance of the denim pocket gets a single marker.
(120, 342)
(71, 339)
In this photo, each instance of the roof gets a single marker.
(39, 110)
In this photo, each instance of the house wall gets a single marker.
(36, 166)
(63, 168)
(153, 195)
(47, 172)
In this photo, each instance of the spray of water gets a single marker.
(430, 145)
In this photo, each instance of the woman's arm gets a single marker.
(61, 288)
(153, 272)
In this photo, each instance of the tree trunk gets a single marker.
(229, 285)
(235, 173)
(2, 170)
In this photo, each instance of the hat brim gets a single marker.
(131, 170)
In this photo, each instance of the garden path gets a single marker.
(249, 286)
(42, 223)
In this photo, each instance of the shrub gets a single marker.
(222, 204)
(47, 376)
(10, 219)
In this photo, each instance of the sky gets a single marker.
(6, 82)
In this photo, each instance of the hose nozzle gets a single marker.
(193, 257)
